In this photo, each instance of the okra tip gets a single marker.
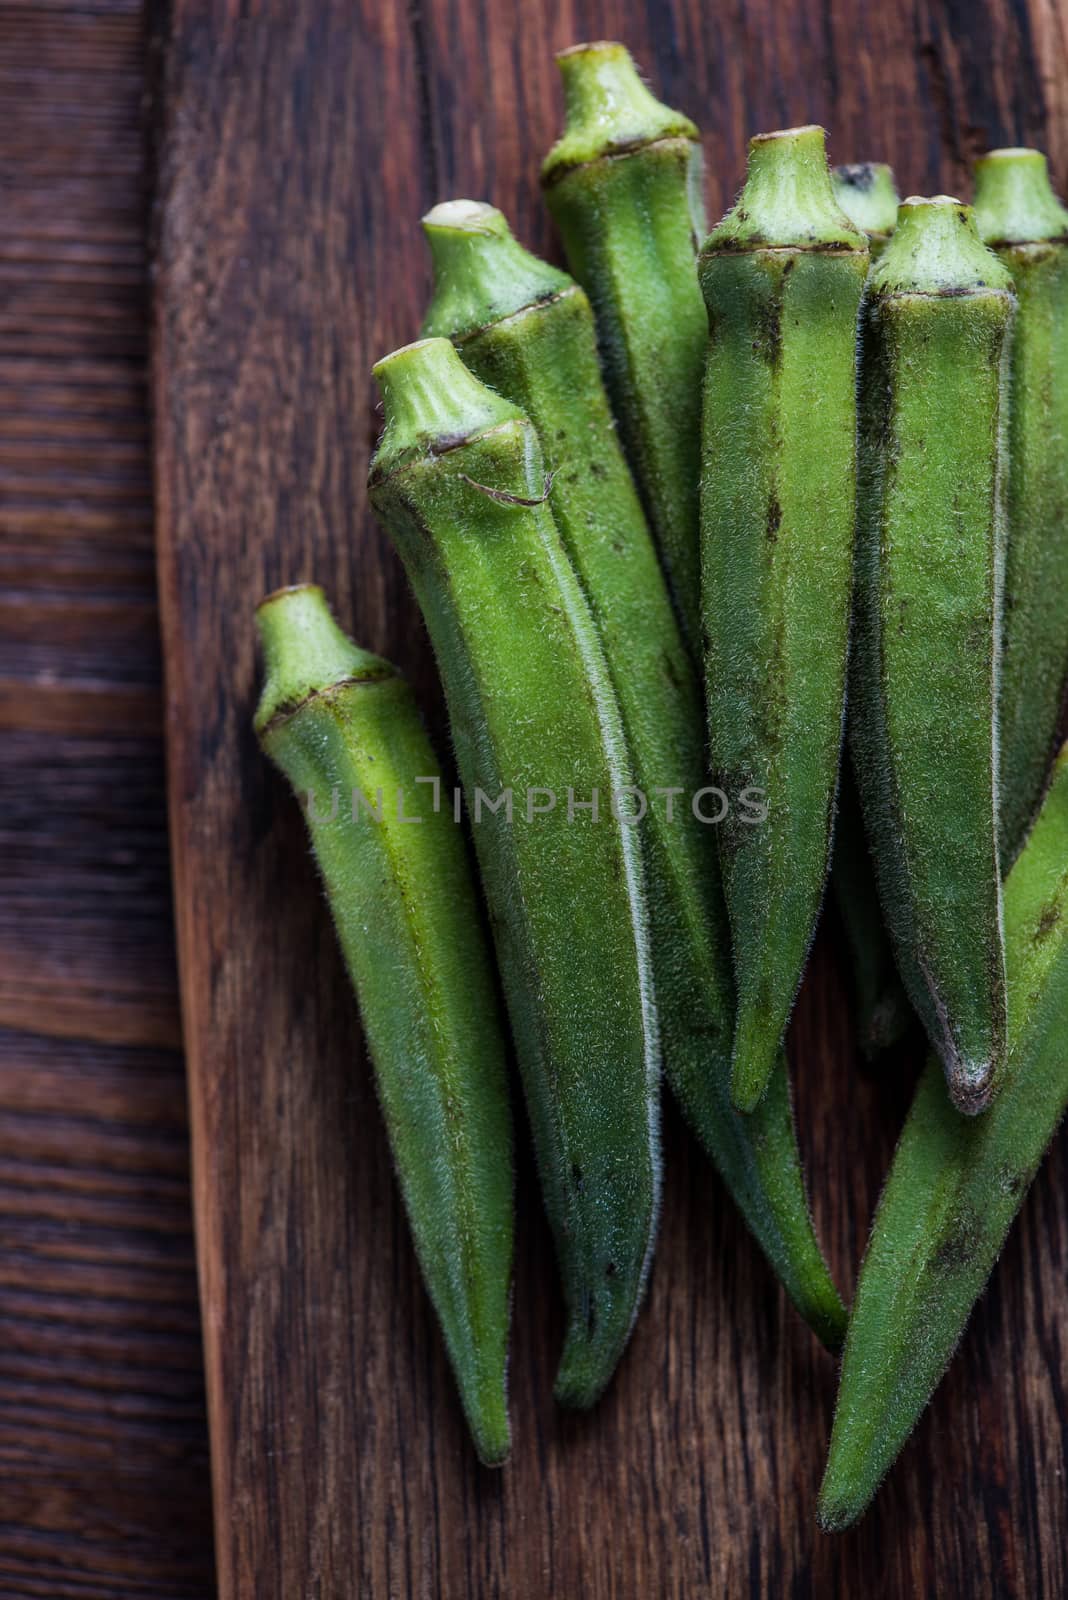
(755, 1053)
(482, 273)
(788, 199)
(936, 251)
(306, 652)
(1014, 199)
(608, 110)
(431, 403)
(868, 195)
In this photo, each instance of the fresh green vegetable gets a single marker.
(782, 277)
(954, 1188)
(460, 484)
(624, 185)
(867, 194)
(881, 1006)
(527, 330)
(341, 723)
(933, 350)
(1019, 216)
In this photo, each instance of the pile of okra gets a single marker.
(744, 559)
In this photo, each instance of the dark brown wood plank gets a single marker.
(298, 146)
(103, 1440)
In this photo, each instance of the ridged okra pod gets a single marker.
(527, 330)
(954, 1188)
(1020, 218)
(930, 550)
(782, 277)
(624, 186)
(867, 194)
(460, 485)
(882, 1013)
(343, 727)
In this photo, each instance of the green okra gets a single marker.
(342, 724)
(460, 485)
(782, 277)
(624, 186)
(867, 194)
(930, 549)
(954, 1188)
(882, 1011)
(527, 330)
(1019, 217)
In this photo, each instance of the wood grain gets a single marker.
(103, 1445)
(298, 146)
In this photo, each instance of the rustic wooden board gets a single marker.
(103, 1433)
(298, 145)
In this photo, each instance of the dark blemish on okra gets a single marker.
(773, 521)
(861, 174)
(959, 1248)
(504, 498)
(1048, 921)
(768, 342)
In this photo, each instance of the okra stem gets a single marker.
(342, 724)
(867, 194)
(782, 277)
(624, 186)
(460, 483)
(1020, 218)
(527, 330)
(954, 1188)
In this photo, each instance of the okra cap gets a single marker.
(788, 200)
(482, 273)
(1014, 200)
(867, 194)
(306, 652)
(431, 404)
(608, 110)
(936, 251)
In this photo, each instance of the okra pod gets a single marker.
(527, 330)
(343, 727)
(867, 194)
(782, 277)
(930, 549)
(954, 1188)
(460, 485)
(624, 186)
(881, 1006)
(1019, 216)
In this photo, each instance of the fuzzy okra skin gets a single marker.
(867, 194)
(527, 330)
(933, 348)
(1020, 217)
(623, 184)
(883, 1014)
(782, 277)
(955, 1186)
(460, 485)
(339, 721)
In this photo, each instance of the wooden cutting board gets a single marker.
(298, 144)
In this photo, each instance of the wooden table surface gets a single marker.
(103, 1439)
(297, 144)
